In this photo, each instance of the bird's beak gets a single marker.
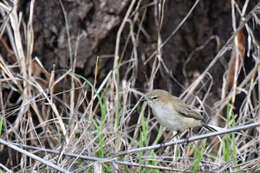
(143, 99)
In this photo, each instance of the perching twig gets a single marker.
(190, 139)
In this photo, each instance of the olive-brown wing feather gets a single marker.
(188, 112)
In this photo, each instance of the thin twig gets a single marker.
(186, 140)
(48, 163)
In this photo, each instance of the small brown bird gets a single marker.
(173, 113)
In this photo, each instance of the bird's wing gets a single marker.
(189, 111)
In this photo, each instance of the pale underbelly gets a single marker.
(176, 122)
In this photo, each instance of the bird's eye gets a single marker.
(154, 98)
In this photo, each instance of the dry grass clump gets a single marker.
(86, 126)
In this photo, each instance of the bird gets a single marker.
(173, 113)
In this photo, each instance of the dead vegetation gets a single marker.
(86, 124)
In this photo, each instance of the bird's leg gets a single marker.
(176, 134)
(189, 134)
(170, 137)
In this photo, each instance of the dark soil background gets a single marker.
(93, 25)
